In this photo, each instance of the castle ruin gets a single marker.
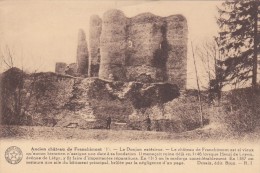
(82, 54)
(145, 48)
(142, 45)
(94, 44)
(80, 68)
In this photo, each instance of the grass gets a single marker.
(212, 132)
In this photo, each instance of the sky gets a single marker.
(41, 33)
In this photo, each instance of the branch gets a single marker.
(6, 62)
(10, 56)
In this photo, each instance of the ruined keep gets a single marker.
(136, 69)
(146, 48)
(82, 54)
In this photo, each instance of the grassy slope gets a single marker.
(207, 133)
(236, 117)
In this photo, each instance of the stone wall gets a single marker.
(113, 45)
(176, 36)
(66, 69)
(144, 39)
(94, 44)
(145, 47)
(60, 67)
(72, 69)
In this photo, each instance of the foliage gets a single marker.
(238, 39)
(11, 95)
(208, 52)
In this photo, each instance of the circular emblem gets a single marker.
(13, 155)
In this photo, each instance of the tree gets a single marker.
(14, 99)
(7, 58)
(238, 23)
(208, 52)
(11, 88)
(198, 86)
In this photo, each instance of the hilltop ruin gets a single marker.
(143, 46)
(135, 68)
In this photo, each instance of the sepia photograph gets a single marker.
(129, 71)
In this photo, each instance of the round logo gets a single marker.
(13, 155)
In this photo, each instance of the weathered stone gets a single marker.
(66, 69)
(144, 45)
(60, 67)
(62, 100)
(176, 36)
(112, 45)
(71, 69)
(82, 54)
(95, 28)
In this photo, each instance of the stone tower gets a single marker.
(113, 45)
(144, 54)
(145, 48)
(95, 28)
(82, 54)
(176, 36)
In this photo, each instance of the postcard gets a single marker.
(129, 86)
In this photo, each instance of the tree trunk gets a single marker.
(254, 79)
(198, 85)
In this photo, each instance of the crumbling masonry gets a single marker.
(145, 45)
(145, 48)
(82, 54)
(80, 68)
